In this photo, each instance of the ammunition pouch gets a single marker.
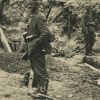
(47, 49)
(90, 24)
(90, 27)
(51, 38)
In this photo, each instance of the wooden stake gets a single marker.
(4, 41)
(92, 68)
(42, 96)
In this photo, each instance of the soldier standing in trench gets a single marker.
(38, 39)
(88, 30)
(70, 19)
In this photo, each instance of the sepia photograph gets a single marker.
(49, 49)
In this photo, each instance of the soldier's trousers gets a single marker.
(40, 80)
(89, 42)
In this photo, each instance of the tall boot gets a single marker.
(34, 83)
(42, 89)
(43, 86)
(88, 48)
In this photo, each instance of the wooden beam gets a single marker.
(4, 41)
(38, 96)
(92, 68)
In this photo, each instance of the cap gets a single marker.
(88, 7)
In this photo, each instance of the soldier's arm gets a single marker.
(44, 32)
(86, 21)
(83, 21)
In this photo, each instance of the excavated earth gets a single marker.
(70, 79)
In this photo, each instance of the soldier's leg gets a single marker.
(40, 72)
(34, 81)
(86, 39)
(65, 29)
(92, 42)
(43, 85)
(42, 75)
(87, 48)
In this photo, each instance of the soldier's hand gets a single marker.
(29, 37)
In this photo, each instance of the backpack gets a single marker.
(48, 46)
(51, 38)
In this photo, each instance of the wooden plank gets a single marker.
(38, 96)
(4, 41)
(92, 68)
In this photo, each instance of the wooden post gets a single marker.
(4, 41)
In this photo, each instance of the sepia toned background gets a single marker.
(71, 77)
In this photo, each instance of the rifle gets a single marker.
(25, 55)
(69, 25)
(51, 6)
(27, 39)
(49, 12)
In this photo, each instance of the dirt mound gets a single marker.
(13, 63)
(78, 82)
(69, 79)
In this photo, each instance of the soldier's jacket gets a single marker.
(94, 14)
(69, 16)
(98, 16)
(38, 28)
(86, 21)
(64, 12)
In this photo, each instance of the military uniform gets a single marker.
(2, 4)
(70, 20)
(88, 31)
(98, 16)
(39, 38)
